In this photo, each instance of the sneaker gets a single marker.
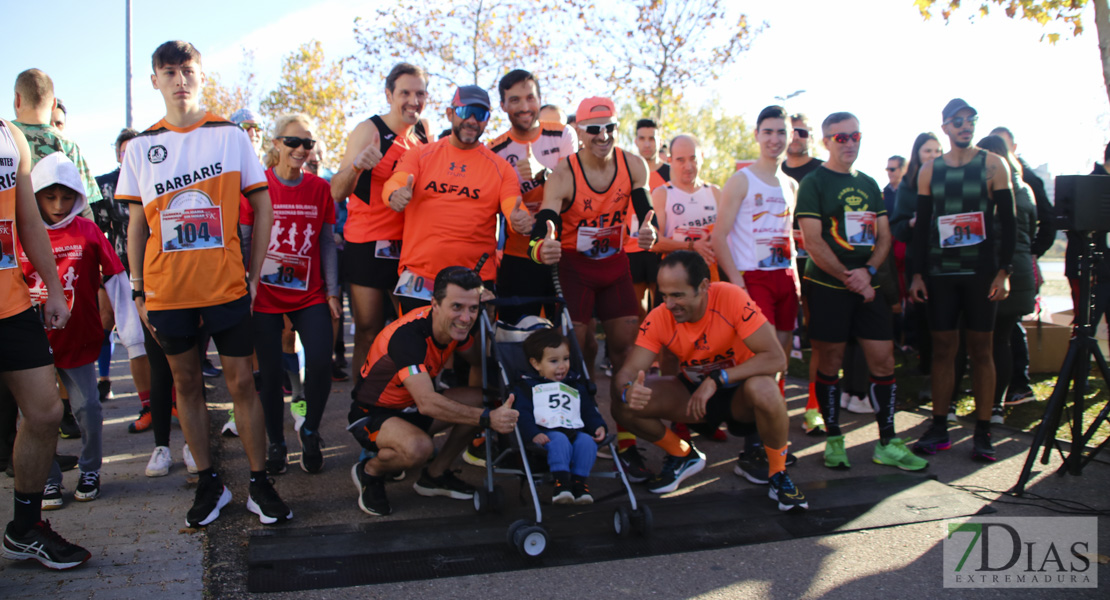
(446, 484)
(211, 496)
(312, 457)
(581, 491)
(754, 468)
(371, 491)
(1020, 398)
(998, 415)
(263, 500)
(66, 462)
(632, 461)
(934, 440)
(719, 435)
(783, 491)
(895, 454)
(338, 374)
(562, 494)
(160, 461)
(475, 453)
(298, 408)
(982, 450)
(41, 543)
(952, 416)
(276, 458)
(859, 405)
(187, 456)
(813, 423)
(230, 430)
(844, 398)
(835, 456)
(88, 487)
(104, 388)
(52, 496)
(208, 369)
(68, 428)
(142, 422)
(675, 470)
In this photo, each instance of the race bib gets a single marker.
(411, 285)
(599, 242)
(387, 249)
(557, 406)
(192, 229)
(289, 271)
(688, 233)
(859, 225)
(772, 252)
(963, 229)
(7, 246)
(698, 373)
(800, 244)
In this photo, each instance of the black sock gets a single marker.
(882, 394)
(983, 426)
(827, 388)
(940, 422)
(28, 511)
(258, 476)
(752, 444)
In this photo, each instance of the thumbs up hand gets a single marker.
(521, 219)
(648, 234)
(637, 395)
(551, 251)
(527, 166)
(401, 197)
(503, 419)
(371, 155)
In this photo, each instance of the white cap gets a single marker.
(57, 168)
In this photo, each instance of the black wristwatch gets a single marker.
(716, 377)
(136, 294)
(871, 270)
(483, 421)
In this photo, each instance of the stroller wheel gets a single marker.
(642, 520)
(516, 526)
(531, 541)
(621, 522)
(486, 501)
(481, 501)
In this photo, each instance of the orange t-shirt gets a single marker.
(452, 217)
(368, 220)
(716, 341)
(14, 297)
(594, 224)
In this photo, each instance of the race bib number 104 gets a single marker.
(192, 229)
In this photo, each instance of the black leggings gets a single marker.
(1003, 355)
(313, 324)
(161, 389)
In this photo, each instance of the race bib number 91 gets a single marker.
(288, 271)
(963, 229)
(859, 225)
(599, 242)
(556, 405)
(192, 229)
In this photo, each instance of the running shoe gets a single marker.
(859, 405)
(371, 491)
(187, 456)
(952, 416)
(160, 461)
(446, 484)
(895, 454)
(68, 428)
(299, 409)
(1021, 398)
(41, 543)
(263, 501)
(88, 487)
(312, 456)
(788, 496)
(104, 389)
(211, 496)
(581, 490)
(142, 422)
(338, 374)
(934, 440)
(52, 496)
(208, 369)
(675, 470)
(835, 456)
(562, 493)
(813, 423)
(230, 430)
(632, 461)
(66, 462)
(754, 468)
(982, 450)
(998, 415)
(276, 458)
(475, 453)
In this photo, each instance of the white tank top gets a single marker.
(690, 217)
(761, 238)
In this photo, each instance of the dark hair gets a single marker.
(463, 277)
(34, 86)
(696, 268)
(771, 112)
(125, 135)
(174, 53)
(62, 106)
(514, 77)
(833, 119)
(798, 117)
(996, 145)
(404, 68)
(548, 337)
(915, 157)
(901, 159)
(572, 119)
(1005, 130)
(646, 123)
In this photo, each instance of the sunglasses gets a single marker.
(249, 126)
(465, 112)
(802, 133)
(296, 142)
(958, 122)
(842, 138)
(596, 129)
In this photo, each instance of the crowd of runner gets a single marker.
(701, 289)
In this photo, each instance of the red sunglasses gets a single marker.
(842, 138)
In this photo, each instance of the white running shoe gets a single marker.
(190, 464)
(860, 406)
(229, 428)
(160, 461)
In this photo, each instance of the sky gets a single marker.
(875, 58)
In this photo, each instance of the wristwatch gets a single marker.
(717, 378)
(483, 421)
(136, 294)
(871, 270)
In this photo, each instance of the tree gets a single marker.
(223, 100)
(1068, 13)
(661, 48)
(319, 89)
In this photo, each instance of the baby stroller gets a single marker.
(512, 459)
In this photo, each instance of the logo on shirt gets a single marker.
(759, 199)
(702, 343)
(678, 209)
(462, 168)
(445, 188)
(749, 312)
(587, 204)
(157, 154)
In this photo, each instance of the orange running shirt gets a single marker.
(188, 182)
(14, 297)
(452, 217)
(403, 349)
(594, 224)
(368, 220)
(553, 142)
(716, 341)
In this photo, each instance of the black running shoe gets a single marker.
(788, 496)
(444, 485)
(211, 497)
(263, 501)
(41, 543)
(562, 494)
(208, 369)
(312, 457)
(581, 491)
(88, 488)
(104, 389)
(371, 491)
(982, 450)
(276, 458)
(632, 460)
(754, 468)
(675, 470)
(338, 374)
(68, 428)
(934, 440)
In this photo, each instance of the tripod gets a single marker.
(1072, 378)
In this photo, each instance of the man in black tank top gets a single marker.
(964, 242)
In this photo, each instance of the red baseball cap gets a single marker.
(595, 107)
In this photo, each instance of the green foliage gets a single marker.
(1068, 13)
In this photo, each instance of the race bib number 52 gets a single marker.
(557, 405)
(963, 229)
(192, 229)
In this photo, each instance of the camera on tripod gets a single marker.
(1083, 202)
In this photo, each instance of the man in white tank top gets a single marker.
(686, 208)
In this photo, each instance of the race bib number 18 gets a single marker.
(7, 246)
(599, 242)
(859, 225)
(289, 271)
(557, 405)
(192, 229)
(964, 229)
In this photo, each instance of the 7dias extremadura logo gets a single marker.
(1022, 552)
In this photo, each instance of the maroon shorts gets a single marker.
(604, 285)
(775, 295)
